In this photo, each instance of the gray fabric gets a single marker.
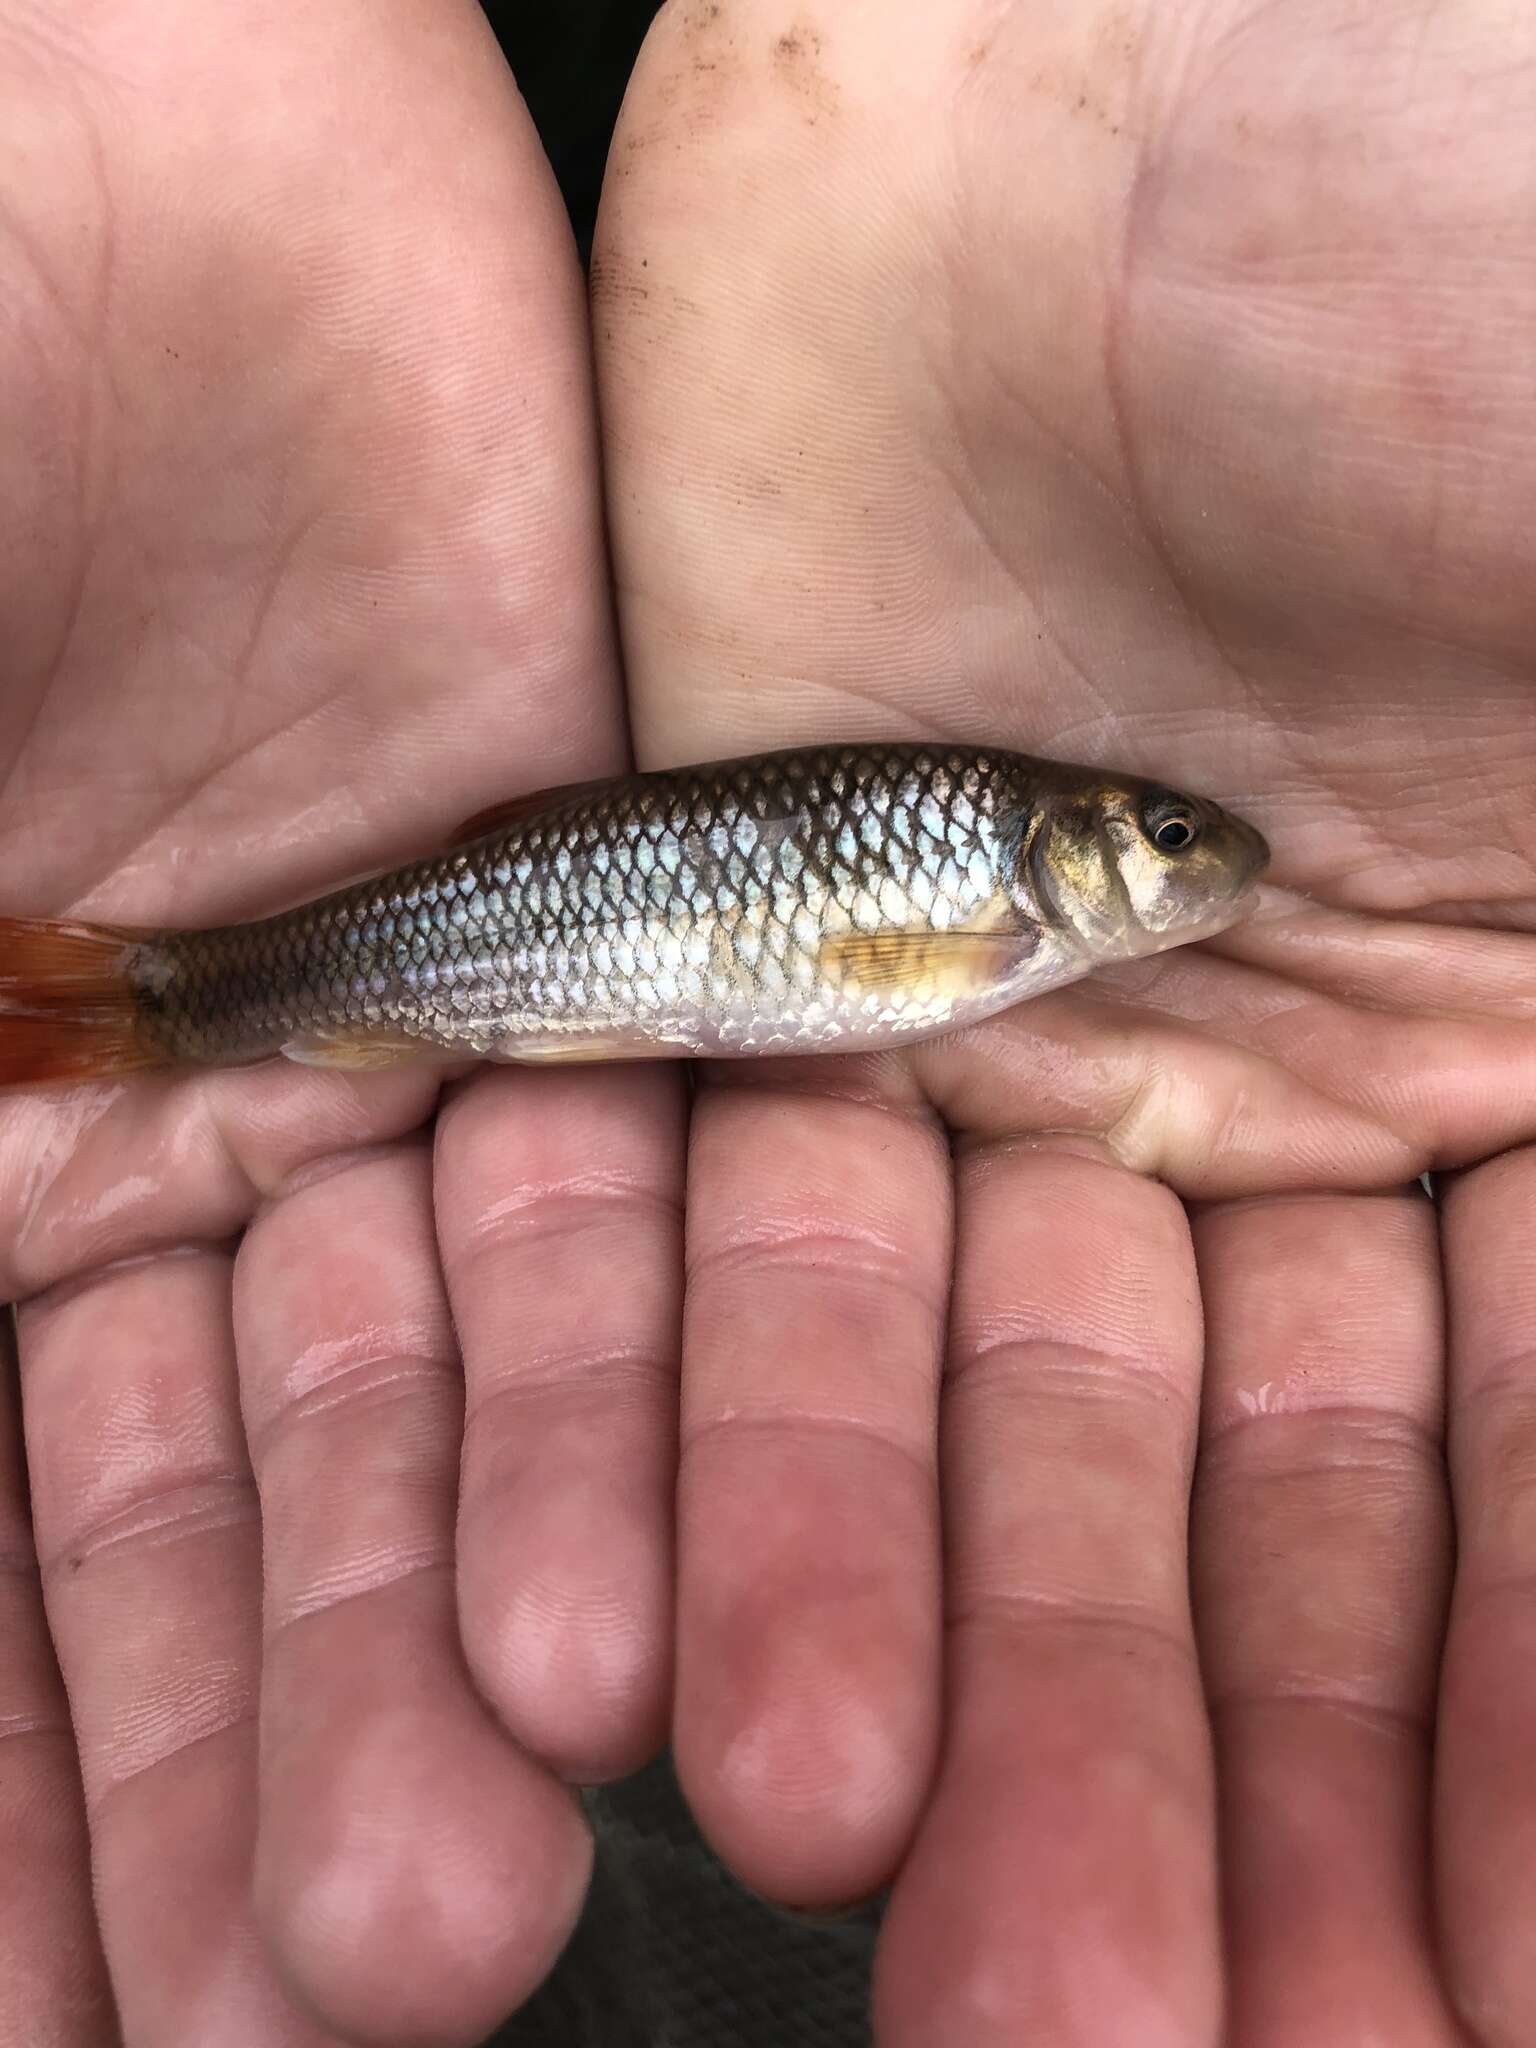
(672, 1953)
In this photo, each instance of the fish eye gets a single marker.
(1169, 822)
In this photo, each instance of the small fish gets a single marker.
(826, 899)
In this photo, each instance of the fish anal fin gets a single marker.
(359, 1055)
(373, 1054)
(925, 962)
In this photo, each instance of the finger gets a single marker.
(53, 1980)
(150, 1553)
(559, 1212)
(1485, 1776)
(1062, 1887)
(416, 1874)
(1320, 1560)
(808, 1622)
(184, 1159)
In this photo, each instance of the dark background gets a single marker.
(571, 59)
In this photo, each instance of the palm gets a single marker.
(1185, 498)
(1096, 388)
(967, 456)
(301, 565)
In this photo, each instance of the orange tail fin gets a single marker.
(68, 1010)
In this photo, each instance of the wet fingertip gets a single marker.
(866, 1910)
(590, 1704)
(635, 1751)
(411, 1930)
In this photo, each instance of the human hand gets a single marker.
(1146, 387)
(301, 564)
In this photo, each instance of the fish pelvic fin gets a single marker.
(70, 1002)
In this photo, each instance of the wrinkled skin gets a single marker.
(1145, 386)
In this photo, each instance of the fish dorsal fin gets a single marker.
(923, 961)
(517, 809)
(770, 829)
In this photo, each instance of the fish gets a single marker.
(821, 899)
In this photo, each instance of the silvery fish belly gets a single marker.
(820, 900)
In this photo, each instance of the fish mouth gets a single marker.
(1257, 845)
(1254, 849)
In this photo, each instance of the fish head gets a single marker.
(1132, 867)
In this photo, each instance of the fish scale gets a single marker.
(677, 906)
(818, 899)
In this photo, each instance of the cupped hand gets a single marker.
(1064, 1515)
(302, 563)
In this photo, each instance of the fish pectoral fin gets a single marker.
(953, 963)
(587, 1048)
(356, 1055)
